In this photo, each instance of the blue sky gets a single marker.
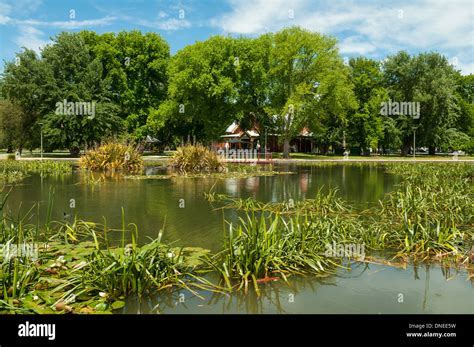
(371, 28)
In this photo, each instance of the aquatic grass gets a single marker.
(43, 167)
(14, 171)
(17, 277)
(322, 204)
(260, 248)
(432, 211)
(195, 159)
(428, 218)
(132, 270)
(113, 156)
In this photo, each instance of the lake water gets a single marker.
(190, 220)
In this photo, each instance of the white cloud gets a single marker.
(258, 16)
(71, 24)
(466, 67)
(26, 6)
(30, 37)
(5, 10)
(168, 24)
(354, 45)
(367, 28)
(162, 14)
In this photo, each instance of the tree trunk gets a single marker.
(286, 149)
(432, 150)
(324, 149)
(405, 149)
(74, 152)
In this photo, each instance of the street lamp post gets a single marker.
(41, 150)
(414, 141)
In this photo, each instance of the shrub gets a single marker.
(11, 156)
(196, 159)
(112, 156)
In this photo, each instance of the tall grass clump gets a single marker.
(432, 211)
(133, 269)
(196, 159)
(113, 156)
(260, 248)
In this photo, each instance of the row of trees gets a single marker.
(282, 81)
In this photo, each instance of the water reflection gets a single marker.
(363, 288)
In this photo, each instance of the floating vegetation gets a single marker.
(215, 175)
(322, 204)
(13, 171)
(232, 170)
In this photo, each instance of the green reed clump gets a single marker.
(44, 167)
(432, 212)
(18, 275)
(133, 269)
(11, 177)
(113, 156)
(13, 171)
(196, 159)
(262, 247)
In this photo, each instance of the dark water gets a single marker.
(190, 220)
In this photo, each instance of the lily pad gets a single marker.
(117, 304)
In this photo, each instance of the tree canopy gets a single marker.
(85, 88)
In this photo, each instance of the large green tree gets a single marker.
(430, 80)
(366, 125)
(135, 69)
(308, 85)
(78, 78)
(202, 92)
(27, 83)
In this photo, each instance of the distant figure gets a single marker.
(66, 216)
(346, 154)
(17, 155)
